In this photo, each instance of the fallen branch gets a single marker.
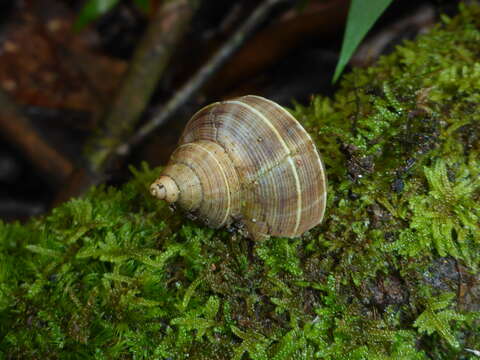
(148, 64)
(202, 76)
(18, 130)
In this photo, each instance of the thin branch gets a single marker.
(149, 62)
(203, 74)
(19, 131)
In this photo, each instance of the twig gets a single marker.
(203, 74)
(473, 351)
(17, 129)
(148, 63)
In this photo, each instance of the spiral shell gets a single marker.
(248, 161)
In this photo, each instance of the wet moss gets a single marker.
(392, 273)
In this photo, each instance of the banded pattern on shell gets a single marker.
(248, 160)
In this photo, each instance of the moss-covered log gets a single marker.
(392, 273)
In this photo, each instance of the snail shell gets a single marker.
(248, 161)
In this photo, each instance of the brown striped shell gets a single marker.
(248, 161)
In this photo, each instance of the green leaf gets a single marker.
(433, 320)
(92, 10)
(200, 319)
(254, 344)
(189, 293)
(44, 251)
(361, 17)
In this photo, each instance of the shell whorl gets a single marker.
(248, 160)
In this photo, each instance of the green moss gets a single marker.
(392, 273)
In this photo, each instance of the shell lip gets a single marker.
(158, 191)
(165, 188)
